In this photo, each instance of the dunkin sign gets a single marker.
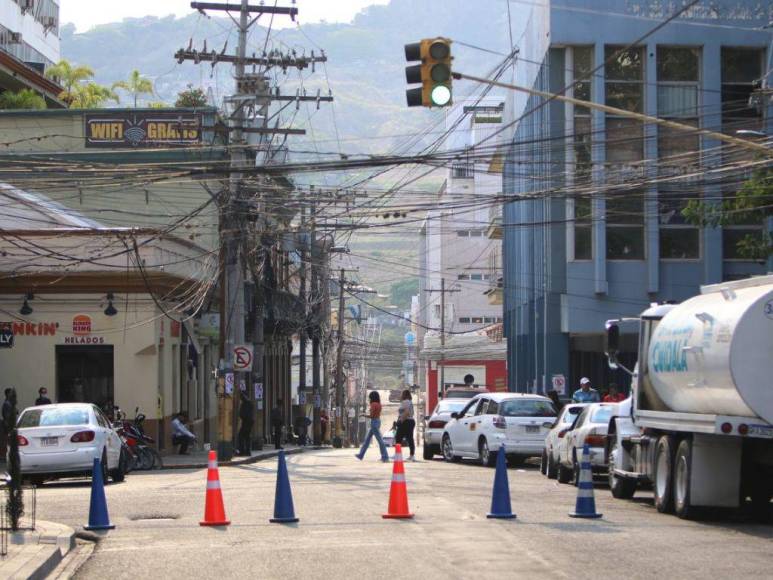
(81, 325)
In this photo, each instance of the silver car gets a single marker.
(435, 423)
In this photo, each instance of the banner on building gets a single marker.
(127, 130)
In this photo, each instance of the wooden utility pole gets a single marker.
(337, 440)
(252, 94)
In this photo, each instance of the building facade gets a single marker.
(29, 45)
(601, 234)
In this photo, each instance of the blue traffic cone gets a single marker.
(98, 517)
(500, 497)
(586, 503)
(284, 512)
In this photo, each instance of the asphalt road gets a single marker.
(342, 535)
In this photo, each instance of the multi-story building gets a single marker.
(455, 250)
(29, 44)
(602, 233)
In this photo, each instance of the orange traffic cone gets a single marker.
(214, 510)
(398, 493)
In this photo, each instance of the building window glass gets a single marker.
(464, 320)
(583, 142)
(624, 88)
(625, 226)
(678, 70)
(477, 320)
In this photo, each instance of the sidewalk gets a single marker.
(198, 459)
(35, 554)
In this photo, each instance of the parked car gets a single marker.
(63, 440)
(435, 424)
(517, 421)
(589, 427)
(566, 418)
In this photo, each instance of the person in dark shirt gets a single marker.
(277, 422)
(247, 416)
(42, 397)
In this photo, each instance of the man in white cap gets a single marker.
(586, 394)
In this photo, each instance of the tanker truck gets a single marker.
(698, 427)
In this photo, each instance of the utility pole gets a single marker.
(337, 441)
(441, 367)
(316, 313)
(302, 335)
(254, 95)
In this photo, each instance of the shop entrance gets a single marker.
(84, 374)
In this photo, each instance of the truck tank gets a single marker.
(713, 353)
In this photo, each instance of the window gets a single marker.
(583, 144)
(463, 277)
(526, 408)
(477, 320)
(741, 69)
(482, 406)
(625, 226)
(464, 320)
(493, 408)
(469, 409)
(463, 233)
(463, 170)
(624, 85)
(477, 277)
(678, 71)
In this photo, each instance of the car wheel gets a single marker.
(119, 473)
(552, 467)
(105, 470)
(664, 474)
(448, 450)
(486, 458)
(428, 451)
(564, 473)
(543, 462)
(621, 487)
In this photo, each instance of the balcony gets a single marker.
(495, 291)
(494, 231)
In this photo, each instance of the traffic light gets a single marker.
(434, 72)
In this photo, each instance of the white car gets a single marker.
(62, 440)
(435, 424)
(517, 421)
(590, 427)
(549, 463)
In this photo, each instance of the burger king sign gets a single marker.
(81, 329)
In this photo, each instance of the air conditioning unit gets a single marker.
(14, 38)
(26, 5)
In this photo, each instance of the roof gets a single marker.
(498, 397)
(16, 74)
(76, 112)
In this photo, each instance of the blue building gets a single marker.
(594, 230)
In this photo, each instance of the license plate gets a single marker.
(532, 428)
(761, 430)
(49, 441)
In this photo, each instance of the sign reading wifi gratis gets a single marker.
(124, 130)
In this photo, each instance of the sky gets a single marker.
(84, 14)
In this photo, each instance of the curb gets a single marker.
(243, 460)
(41, 551)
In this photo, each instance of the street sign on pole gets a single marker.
(243, 357)
(559, 384)
(229, 383)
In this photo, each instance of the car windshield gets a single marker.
(452, 394)
(526, 408)
(602, 415)
(571, 414)
(450, 406)
(54, 417)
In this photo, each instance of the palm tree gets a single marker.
(69, 77)
(91, 96)
(24, 99)
(136, 85)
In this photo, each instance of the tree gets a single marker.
(191, 98)
(752, 205)
(91, 96)
(69, 77)
(23, 99)
(136, 85)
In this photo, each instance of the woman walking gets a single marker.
(375, 428)
(406, 423)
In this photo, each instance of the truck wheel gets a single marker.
(664, 474)
(682, 477)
